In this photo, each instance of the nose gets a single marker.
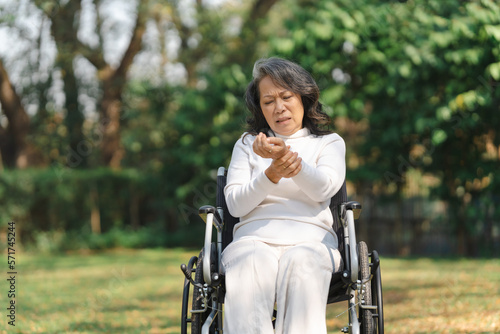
(280, 106)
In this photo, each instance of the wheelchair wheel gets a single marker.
(365, 315)
(198, 319)
(185, 320)
(377, 295)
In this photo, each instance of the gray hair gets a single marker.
(294, 78)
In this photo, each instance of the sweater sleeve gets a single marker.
(323, 181)
(245, 191)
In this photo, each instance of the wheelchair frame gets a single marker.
(359, 283)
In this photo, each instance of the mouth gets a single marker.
(283, 119)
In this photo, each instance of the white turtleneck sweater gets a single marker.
(295, 209)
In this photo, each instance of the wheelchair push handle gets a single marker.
(221, 181)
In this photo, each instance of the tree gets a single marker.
(112, 79)
(186, 131)
(16, 150)
(206, 45)
(421, 79)
(65, 22)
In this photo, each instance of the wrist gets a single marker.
(274, 178)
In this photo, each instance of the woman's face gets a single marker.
(282, 109)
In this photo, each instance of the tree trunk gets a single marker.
(13, 145)
(110, 109)
(78, 149)
(113, 84)
(64, 29)
(95, 215)
(134, 210)
(250, 31)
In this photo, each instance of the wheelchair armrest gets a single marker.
(205, 210)
(355, 207)
(211, 217)
(351, 211)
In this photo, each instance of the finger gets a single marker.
(276, 141)
(291, 160)
(258, 144)
(264, 145)
(257, 140)
(272, 141)
(267, 147)
(284, 161)
(281, 150)
(294, 169)
(278, 144)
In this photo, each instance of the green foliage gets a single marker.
(175, 135)
(53, 208)
(186, 136)
(421, 79)
(413, 87)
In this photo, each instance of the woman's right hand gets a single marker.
(285, 163)
(269, 147)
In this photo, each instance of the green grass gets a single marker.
(438, 296)
(125, 291)
(139, 291)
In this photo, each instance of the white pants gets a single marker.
(295, 277)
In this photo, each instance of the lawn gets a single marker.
(138, 291)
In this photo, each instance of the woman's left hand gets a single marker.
(286, 166)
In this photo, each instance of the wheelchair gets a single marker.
(359, 283)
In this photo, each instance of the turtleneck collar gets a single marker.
(304, 132)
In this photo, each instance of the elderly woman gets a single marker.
(282, 175)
